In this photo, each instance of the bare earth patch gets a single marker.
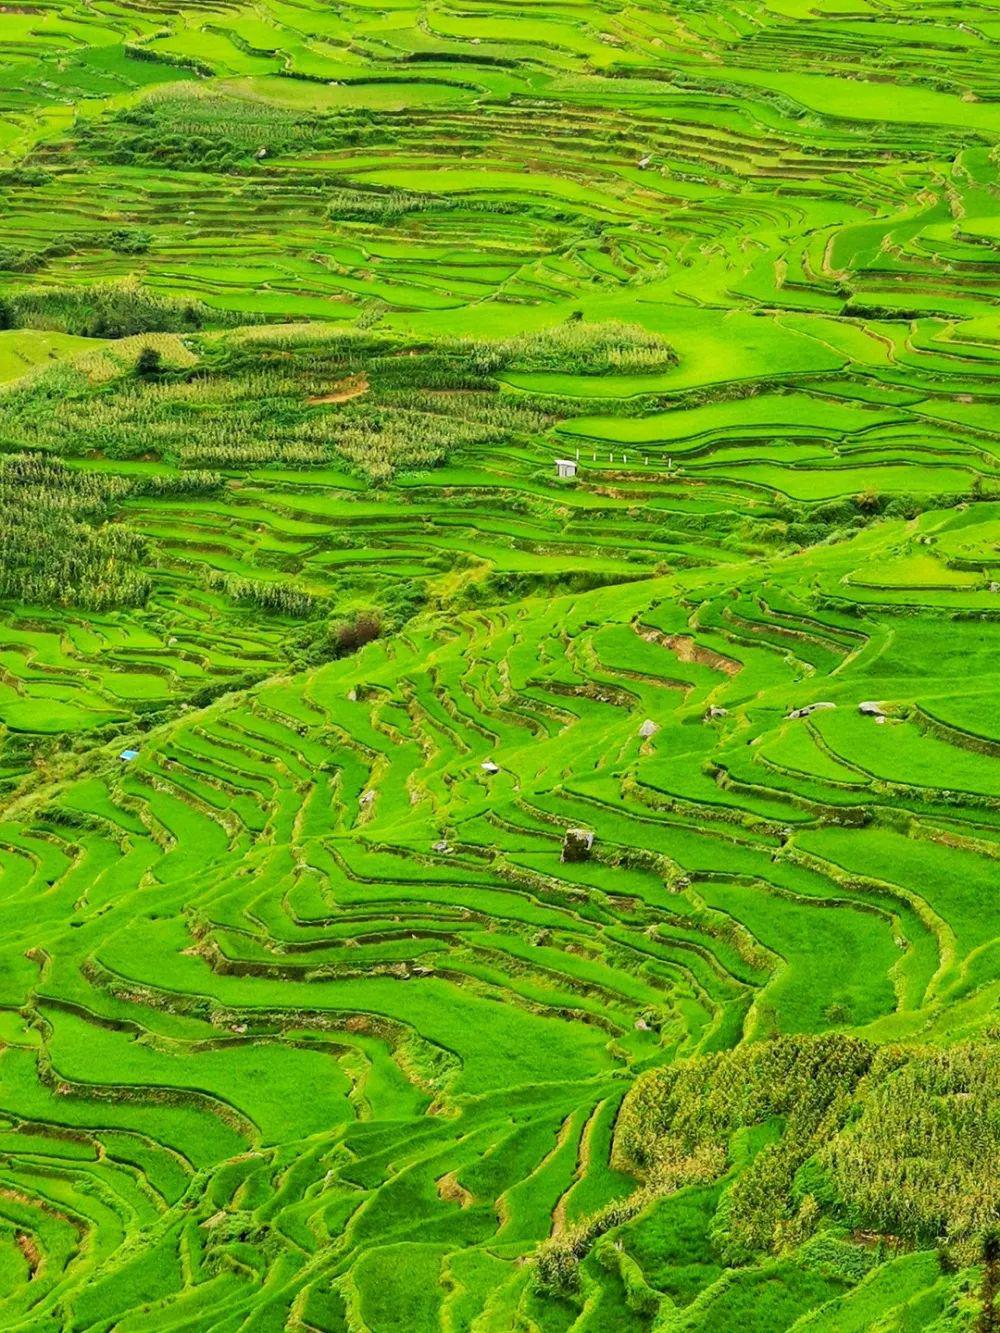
(343, 391)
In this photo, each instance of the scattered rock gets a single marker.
(811, 708)
(577, 844)
(715, 713)
(441, 847)
(868, 708)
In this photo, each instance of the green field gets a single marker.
(312, 1016)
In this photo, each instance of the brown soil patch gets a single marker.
(686, 649)
(30, 1251)
(343, 391)
(451, 1191)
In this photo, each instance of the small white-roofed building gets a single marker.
(565, 467)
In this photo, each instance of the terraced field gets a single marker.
(441, 894)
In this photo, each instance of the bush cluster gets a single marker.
(57, 544)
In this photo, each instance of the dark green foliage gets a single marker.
(148, 363)
(837, 520)
(129, 240)
(15, 260)
(107, 310)
(24, 176)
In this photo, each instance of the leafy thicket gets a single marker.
(209, 132)
(266, 595)
(576, 347)
(375, 206)
(56, 543)
(920, 1157)
(903, 1142)
(278, 401)
(107, 309)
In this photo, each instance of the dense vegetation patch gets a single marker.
(57, 544)
(366, 400)
(106, 310)
(888, 1140)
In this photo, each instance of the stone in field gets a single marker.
(577, 844)
(811, 708)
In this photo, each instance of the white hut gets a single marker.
(565, 467)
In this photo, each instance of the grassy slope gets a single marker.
(303, 1020)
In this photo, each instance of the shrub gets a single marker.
(149, 362)
(129, 240)
(350, 635)
(111, 310)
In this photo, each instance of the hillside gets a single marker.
(437, 893)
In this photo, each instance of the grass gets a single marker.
(304, 1020)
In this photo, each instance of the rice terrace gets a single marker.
(499, 641)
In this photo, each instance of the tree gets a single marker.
(149, 362)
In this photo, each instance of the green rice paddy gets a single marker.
(311, 1018)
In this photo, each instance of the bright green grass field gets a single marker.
(309, 660)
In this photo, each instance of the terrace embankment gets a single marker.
(309, 660)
